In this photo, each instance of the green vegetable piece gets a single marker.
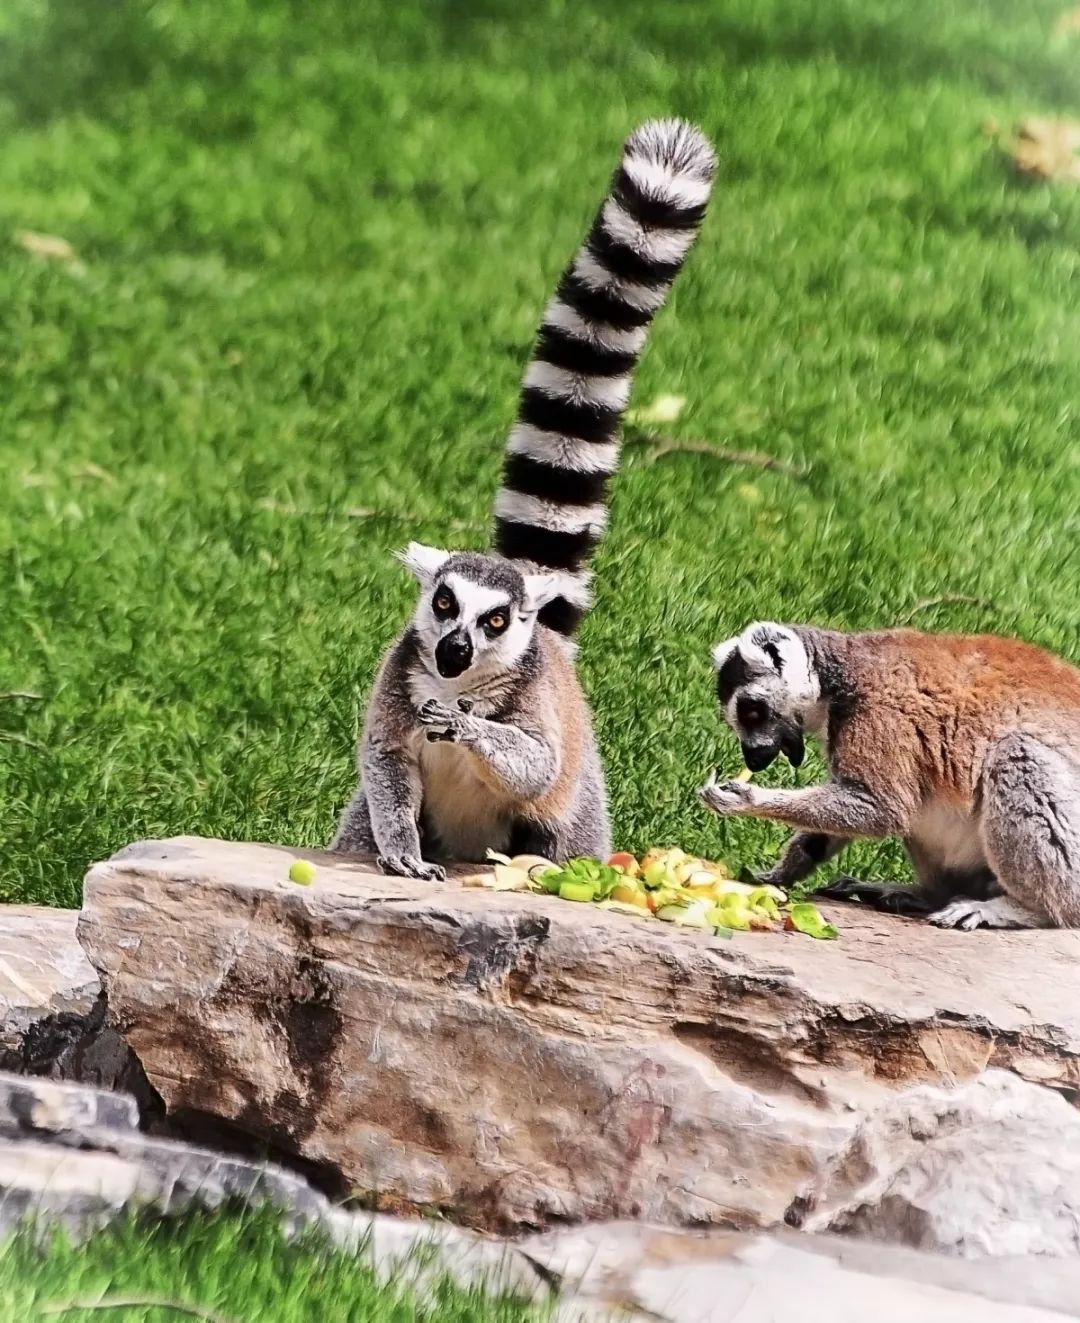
(302, 872)
(721, 931)
(670, 913)
(552, 879)
(759, 899)
(571, 890)
(808, 919)
(733, 912)
(655, 875)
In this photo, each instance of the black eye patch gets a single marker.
(751, 711)
(444, 604)
(731, 676)
(495, 622)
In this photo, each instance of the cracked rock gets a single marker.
(516, 1062)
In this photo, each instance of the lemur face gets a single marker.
(476, 613)
(767, 689)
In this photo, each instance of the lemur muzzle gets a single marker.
(453, 654)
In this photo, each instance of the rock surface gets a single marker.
(51, 1010)
(516, 1061)
(691, 1277)
(74, 1155)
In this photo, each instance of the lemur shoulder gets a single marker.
(477, 733)
(965, 747)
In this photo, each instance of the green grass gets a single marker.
(316, 239)
(238, 1269)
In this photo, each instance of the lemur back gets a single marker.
(478, 734)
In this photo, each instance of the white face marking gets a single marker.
(761, 643)
(492, 654)
(474, 599)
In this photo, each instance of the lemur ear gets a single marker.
(539, 590)
(423, 562)
(723, 651)
(769, 644)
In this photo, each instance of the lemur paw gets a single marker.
(443, 722)
(408, 865)
(999, 912)
(728, 797)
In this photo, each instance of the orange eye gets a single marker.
(443, 603)
(497, 622)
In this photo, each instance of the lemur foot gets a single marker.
(1001, 912)
(408, 865)
(889, 897)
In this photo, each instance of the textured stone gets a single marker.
(52, 1015)
(686, 1277)
(48, 988)
(73, 1155)
(516, 1061)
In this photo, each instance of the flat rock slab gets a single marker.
(516, 1061)
(52, 1014)
(43, 973)
(74, 1155)
(712, 1277)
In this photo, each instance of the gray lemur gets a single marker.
(968, 748)
(477, 733)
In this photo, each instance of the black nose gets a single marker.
(453, 654)
(759, 755)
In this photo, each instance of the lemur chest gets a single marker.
(949, 834)
(465, 814)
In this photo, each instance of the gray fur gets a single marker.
(478, 735)
(453, 766)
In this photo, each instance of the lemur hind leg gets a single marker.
(934, 886)
(1031, 831)
(354, 834)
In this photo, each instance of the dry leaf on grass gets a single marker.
(1068, 24)
(1047, 149)
(664, 409)
(45, 245)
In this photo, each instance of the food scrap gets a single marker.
(669, 885)
(302, 872)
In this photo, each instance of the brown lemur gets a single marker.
(965, 747)
(477, 733)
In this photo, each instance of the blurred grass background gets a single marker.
(312, 242)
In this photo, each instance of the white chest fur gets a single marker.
(466, 812)
(950, 835)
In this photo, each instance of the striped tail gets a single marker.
(550, 510)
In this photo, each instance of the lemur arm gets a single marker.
(804, 853)
(524, 763)
(837, 808)
(391, 781)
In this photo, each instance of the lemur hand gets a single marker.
(443, 722)
(407, 865)
(728, 797)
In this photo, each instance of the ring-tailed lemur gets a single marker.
(966, 747)
(478, 734)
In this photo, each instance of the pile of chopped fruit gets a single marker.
(666, 884)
